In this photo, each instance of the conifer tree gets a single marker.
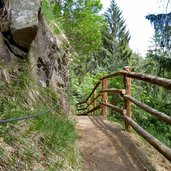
(161, 52)
(115, 46)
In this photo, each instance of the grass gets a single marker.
(51, 17)
(43, 143)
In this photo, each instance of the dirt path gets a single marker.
(105, 147)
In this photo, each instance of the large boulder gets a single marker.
(24, 21)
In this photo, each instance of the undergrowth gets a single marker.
(43, 143)
(51, 17)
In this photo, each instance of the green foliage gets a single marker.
(161, 51)
(59, 137)
(150, 123)
(51, 17)
(79, 20)
(162, 28)
(115, 51)
(82, 24)
(43, 143)
(81, 90)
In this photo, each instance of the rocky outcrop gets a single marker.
(29, 37)
(24, 21)
(48, 58)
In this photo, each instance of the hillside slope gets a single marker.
(34, 80)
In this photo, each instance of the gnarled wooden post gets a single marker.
(94, 103)
(104, 97)
(127, 85)
(88, 102)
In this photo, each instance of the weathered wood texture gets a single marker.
(94, 102)
(163, 149)
(104, 97)
(99, 95)
(160, 115)
(115, 108)
(119, 73)
(112, 90)
(127, 85)
(166, 83)
(88, 106)
(96, 86)
(95, 108)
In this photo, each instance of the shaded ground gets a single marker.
(105, 147)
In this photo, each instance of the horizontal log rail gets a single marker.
(94, 99)
(160, 115)
(95, 108)
(119, 73)
(163, 149)
(122, 91)
(115, 108)
(96, 86)
(81, 103)
(128, 99)
(166, 83)
(82, 109)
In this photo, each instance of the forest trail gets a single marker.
(106, 147)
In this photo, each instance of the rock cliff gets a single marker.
(25, 34)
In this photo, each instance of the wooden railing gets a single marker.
(94, 100)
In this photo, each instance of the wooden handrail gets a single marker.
(162, 148)
(127, 86)
(94, 99)
(160, 115)
(119, 73)
(166, 83)
(115, 108)
(104, 97)
(128, 99)
(95, 108)
(116, 91)
(98, 83)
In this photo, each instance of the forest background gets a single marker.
(99, 45)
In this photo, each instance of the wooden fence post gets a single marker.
(127, 85)
(94, 103)
(88, 102)
(104, 97)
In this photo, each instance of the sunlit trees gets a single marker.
(115, 43)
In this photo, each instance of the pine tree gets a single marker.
(115, 46)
